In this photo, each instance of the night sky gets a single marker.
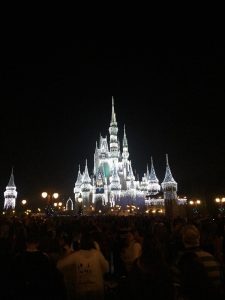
(56, 100)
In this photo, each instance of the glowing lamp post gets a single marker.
(195, 204)
(221, 204)
(23, 203)
(80, 205)
(50, 198)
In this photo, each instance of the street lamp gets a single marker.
(50, 198)
(23, 203)
(195, 204)
(80, 205)
(221, 204)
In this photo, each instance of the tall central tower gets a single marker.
(113, 130)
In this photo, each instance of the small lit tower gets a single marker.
(86, 187)
(169, 187)
(125, 153)
(10, 194)
(77, 188)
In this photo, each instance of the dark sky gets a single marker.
(56, 100)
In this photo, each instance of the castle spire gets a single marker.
(86, 178)
(153, 187)
(79, 178)
(168, 175)
(152, 176)
(125, 153)
(113, 130)
(169, 185)
(11, 180)
(113, 118)
(125, 143)
(147, 173)
(131, 172)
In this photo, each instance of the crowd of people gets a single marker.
(111, 257)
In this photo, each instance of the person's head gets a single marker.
(126, 235)
(87, 241)
(190, 236)
(32, 237)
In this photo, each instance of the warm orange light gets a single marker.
(24, 202)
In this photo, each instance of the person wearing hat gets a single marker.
(200, 272)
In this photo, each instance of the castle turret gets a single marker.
(169, 187)
(153, 187)
(132, 177)
(10, 194)
(125, 153)
(86, 189)
(86, 183)
(78, 183)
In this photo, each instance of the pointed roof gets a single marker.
(86, 178)
(152, 176)
(147, 173)
(168, 175)
(79, 178)
(128, 172)
(131, 172)
(125, 143)
(11, 180)
(113, 117)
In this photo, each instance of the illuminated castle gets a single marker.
(113, 181)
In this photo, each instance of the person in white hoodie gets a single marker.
(87, 267)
